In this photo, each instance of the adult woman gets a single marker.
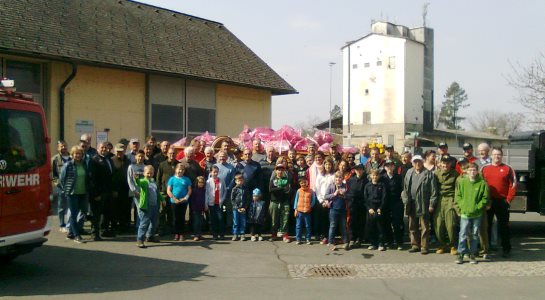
(344, 168)
(75, 185)
(320, 217)
(430, 160)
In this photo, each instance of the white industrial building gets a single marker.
(388, 84)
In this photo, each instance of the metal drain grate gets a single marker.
(331, 272)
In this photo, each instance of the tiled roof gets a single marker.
(136, 36)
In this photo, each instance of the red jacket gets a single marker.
(501, 180)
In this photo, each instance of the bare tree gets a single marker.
(530, 83)
(498, 123)
(308, 126)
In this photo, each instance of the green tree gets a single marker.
(455, 98)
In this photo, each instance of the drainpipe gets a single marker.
(61, 99)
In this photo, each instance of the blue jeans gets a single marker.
(337, 219)
(62, 206)
(78, 209)
(469, 226)
(239, 222)
(302, 218)
(216, 220)
(147, 222)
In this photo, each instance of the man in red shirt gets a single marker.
(502, 183)
(468, 157)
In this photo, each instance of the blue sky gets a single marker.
(474, 43)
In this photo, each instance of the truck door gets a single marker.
(24, 172)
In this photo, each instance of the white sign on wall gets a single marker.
(101, 136)
(84, 126)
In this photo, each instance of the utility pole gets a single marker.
(330, 89)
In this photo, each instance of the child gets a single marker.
(179, 191)
(135, 171)
(356, 205)
(335, 196)
(375, 201)
(197, 206)
(148, 207)
(215, 196)
(240, 198)
(393, 217)
(279, 208)
(256, 215)
(305, 199)
(301, 167)
(471, 196)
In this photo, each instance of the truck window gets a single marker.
(22, 141)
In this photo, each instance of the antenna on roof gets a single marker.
(425, 12)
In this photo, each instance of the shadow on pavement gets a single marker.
(59, 270)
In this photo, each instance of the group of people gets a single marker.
(362, 197)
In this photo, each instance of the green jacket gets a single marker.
(447, 182)
(143, 183)
(471, 197)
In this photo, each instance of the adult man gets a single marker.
(57, 162)
(267, 169)
(419, 197)
(468, 157)
(192, 167)
(120, 195)
(87, 137)
(446, 218)
(363, 156)
(389, 155)
(231, 159)
(148, 152)
(442, 149)
(163, 174)
(101, 202)
(226, 174)
(484, 159)
(251, 170)
(502, 183)
(150, 140)
(208, 161)
(374, 162)
(134, 146)
(162, 155)
(311, 149)
(257, 150)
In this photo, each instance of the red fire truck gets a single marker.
(25, 173)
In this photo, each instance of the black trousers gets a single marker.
(394, 226)
(96, 215)
(108, 210)
(178, 217)
(320, 221)
(358, 218)
(375, 226)
(500, 209)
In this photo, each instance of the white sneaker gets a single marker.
(253, 238)
(260, 238)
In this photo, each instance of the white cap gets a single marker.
(416, 157)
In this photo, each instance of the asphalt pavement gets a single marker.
(117, 269)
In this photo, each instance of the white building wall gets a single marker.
(375, 89)
(414, 83)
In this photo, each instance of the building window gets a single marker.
(354, 66)
(392, 62)
(366, 65)
(366, 117)
(27, 76)
(379, 63)
(167, 116)
(201, 107)
(203, 119)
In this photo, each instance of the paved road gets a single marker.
(117, 269)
